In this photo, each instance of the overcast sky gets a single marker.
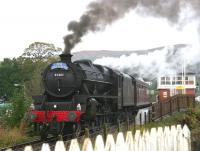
(23, 22)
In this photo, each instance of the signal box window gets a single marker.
(189, 80)
(165, 81)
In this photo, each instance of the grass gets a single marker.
(12, 137)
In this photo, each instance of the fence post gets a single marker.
(188, 101)
(129, 141)
(161, 111)
(149, 116)
(105, 132)
(45, 147)
(87, 145)
(118, 125)
(178, 103)
(87, 133)
(140, 120)
(128, 124)
(73, 131)
(28, 148)
(170, 106)
(193, 101)
(110, 143)
(60, 138)
(99, 144)
(145, 118)
(134, 123)
(74, 146)
(186, 137)
(153, 113)
(60, 146)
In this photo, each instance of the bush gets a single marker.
(190, 117)
(19, 106)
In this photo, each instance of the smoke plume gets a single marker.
(104, 12)
(169, 60)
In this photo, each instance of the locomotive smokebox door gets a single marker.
(62, 79)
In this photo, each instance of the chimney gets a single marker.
(66, 58)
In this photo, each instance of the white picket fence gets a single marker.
(175, 138)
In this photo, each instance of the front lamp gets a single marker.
(33, 116)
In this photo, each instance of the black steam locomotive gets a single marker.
(82, 94)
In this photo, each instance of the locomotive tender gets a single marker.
(82, 94)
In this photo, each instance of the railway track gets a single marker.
(37, 144)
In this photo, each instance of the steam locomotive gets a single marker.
(81, 94)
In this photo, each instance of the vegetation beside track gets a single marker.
(12, 137)
(13, 125)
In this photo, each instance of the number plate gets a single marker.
(59, 75)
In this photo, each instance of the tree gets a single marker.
(9, 75)
(34, 86)
(26, 72)
(33, 62)
(40, 51)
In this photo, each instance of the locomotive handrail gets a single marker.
(97, 81)
(100, 96)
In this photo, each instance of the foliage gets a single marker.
(19, 105)
(34, 86)
(26, 70)
(15, 71)
(40, 51)
(9, 74)
(34, 60)
(3, 109)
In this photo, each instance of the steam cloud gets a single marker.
(104, 12)
(168, 60)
